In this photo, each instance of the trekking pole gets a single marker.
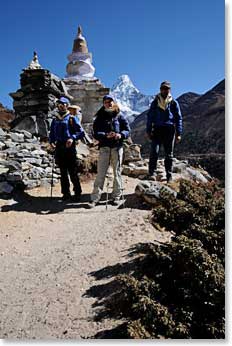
(108, 182)
(53, 166)
(121, 181)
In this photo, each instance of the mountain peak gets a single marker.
(130, 100)
(124, 78)
(125, 81)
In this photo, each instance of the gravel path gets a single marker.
(49, 251)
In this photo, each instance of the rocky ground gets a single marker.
(53, 255)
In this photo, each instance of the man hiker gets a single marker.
(164, 126)
(110, 128)
(65, 131)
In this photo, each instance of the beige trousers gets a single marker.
(108, 156)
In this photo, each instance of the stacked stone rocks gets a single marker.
(23, 162)
(35, 100)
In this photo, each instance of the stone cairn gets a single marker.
(35, 100)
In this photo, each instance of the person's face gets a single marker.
(108, 103)
(72, 111)
(62, 107)
(165, 91)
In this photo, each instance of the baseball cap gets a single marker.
(63, 100)
(165, 84)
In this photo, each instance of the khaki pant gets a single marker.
(108, 156)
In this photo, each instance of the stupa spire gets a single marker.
(34, 64)
(80, 60)
(79, 30)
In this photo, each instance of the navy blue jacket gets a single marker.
(157, 117)
(68, 127)
(106, 122)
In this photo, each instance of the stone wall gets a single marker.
(24, 162)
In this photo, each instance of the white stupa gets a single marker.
(80, 60)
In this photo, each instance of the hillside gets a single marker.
(6, 116)
(203, 119)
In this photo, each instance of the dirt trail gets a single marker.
(49, 252)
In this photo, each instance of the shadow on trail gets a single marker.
(44, 205)
(107, 294)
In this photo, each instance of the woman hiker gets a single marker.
(110, 128)
(65, 131)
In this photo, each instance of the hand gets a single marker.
(117, 136)
(110, 134)
(69, 143)
(51, 148)
(178, 138)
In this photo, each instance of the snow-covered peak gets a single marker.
(124, 83)
(130, 100)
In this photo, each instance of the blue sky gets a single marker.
(150, 40)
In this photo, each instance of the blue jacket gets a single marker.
(106, 122)
(157, 117)
(68, 127)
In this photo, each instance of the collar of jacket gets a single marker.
(103, 113)
(163, 103)
(61, 116)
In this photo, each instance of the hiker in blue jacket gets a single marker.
(164, 126)
(110, 128)
(65, 131)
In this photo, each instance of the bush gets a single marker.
(178, 289)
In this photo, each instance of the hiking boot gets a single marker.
(92, 204)
(151, 177)
(116, 201)
(169, 178)
(66, 197)
(76, 197)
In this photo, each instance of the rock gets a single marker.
(38, 153)
(5, 188)
(9, 144)
(179, 167)
(82, 150)
(13, 165)
(14, 177)
(134, 171)
(196, 175)
(34, 161)
(17, 137)
(2, 146)
(31, 140)
(142, 187)
(26, 166)
(27, 135)
(36, 173)
(3, 155)
(3, 170)
(132, 153)
(2, 134)
(151, 191)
